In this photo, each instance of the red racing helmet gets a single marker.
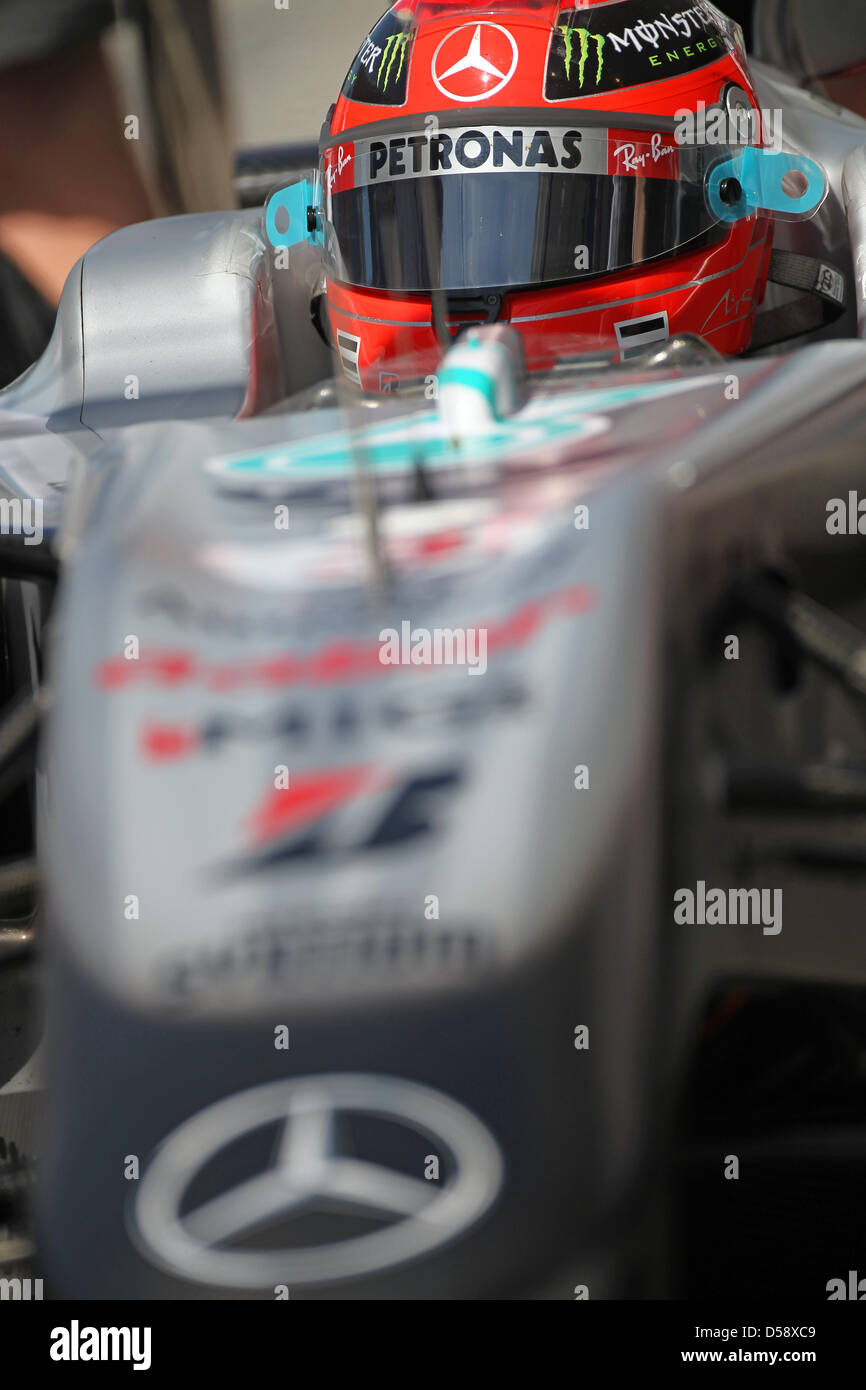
(567, 169)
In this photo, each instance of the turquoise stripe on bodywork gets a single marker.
(395, 446)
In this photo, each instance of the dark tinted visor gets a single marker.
(493, 207)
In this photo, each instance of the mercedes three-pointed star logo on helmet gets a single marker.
(474, 62)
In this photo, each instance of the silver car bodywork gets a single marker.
(471, 870)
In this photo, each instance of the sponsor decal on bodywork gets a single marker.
(312, 1164)
(338, 662)
(308, 819)
(411, 712)
(353, 945)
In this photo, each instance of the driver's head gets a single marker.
(530, 163)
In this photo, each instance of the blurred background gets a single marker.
(114, 111)
(283, 68)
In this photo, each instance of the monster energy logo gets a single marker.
(397, 43)
(584, 36)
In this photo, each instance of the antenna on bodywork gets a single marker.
(366, 500)
(365, 490)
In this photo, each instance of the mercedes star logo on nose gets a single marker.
(212, 1241)
(473, 68)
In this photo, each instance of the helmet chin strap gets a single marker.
(822, 302)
